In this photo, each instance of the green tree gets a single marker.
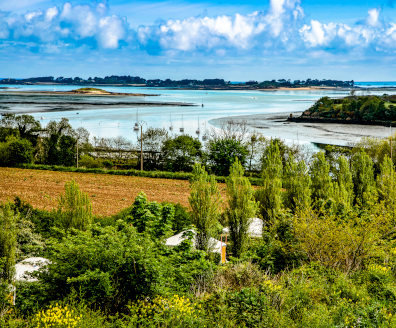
(205, 202)
(363, 179)
(386, 184)
(222, 153)
(59, 144)
(270, 193)
(322, 186)
(241, 207)
(180, 153)
(8, 243)
(343, 187)
(74, 209)
(297, 183)
(16, 151)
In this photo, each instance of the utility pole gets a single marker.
(141, 147)
(77, 153)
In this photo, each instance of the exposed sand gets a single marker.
(276, 125)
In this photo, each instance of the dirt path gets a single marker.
(109, 193)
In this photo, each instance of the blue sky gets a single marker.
(235, 40)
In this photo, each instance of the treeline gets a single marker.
(324, 257)
(185, 83)
(302, 83)
(354, 108)
(24, 141)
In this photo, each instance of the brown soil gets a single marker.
(109, 193)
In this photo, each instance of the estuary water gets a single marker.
(262, 111)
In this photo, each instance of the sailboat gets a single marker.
(170, 120)
(136, 127)
(182, 127)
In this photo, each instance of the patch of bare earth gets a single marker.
(109, 193)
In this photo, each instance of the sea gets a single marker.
(212, 109)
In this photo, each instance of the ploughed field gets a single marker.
(109, 193)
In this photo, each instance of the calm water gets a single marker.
(113, 122)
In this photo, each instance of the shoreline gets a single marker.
(276, 125)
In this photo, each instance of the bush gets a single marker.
(108, 267)
(16, 151)
(89, 162)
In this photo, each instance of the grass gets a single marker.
(109, 193)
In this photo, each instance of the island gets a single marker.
(366, 110)
(188, 84)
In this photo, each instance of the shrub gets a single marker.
(75, 209)
(16, 151)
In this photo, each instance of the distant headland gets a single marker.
(364, 110)
(212, 84)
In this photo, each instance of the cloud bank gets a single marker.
(282, 28)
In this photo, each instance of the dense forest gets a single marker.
(375, 109)
(185, 83)
(325, 255)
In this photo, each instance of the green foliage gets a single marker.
(205, 205)
(343, 187)
(222, 153)
(74, 209)
(89, 162)
(297, 183)
(322, 185)
(241, 208)
(386, 183)
(358, 108)
(8, 243)
(270, 194)
(363, 179)
(16, 151)
(107, 266)
(152, 217)
(180, 153)
(59, 146)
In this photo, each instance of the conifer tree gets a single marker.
(296, 182)
(270, 193)
(241, 207)
(363, 179)
(75, 209)
(205, 202)
(322, 185)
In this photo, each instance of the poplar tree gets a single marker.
(322, 185)
(8, 244)
(386, 183)
(270, 193)
(205, 203)
(241, 207)
(296, 182)
(344, 184)
(75, 209)
(363, 179)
